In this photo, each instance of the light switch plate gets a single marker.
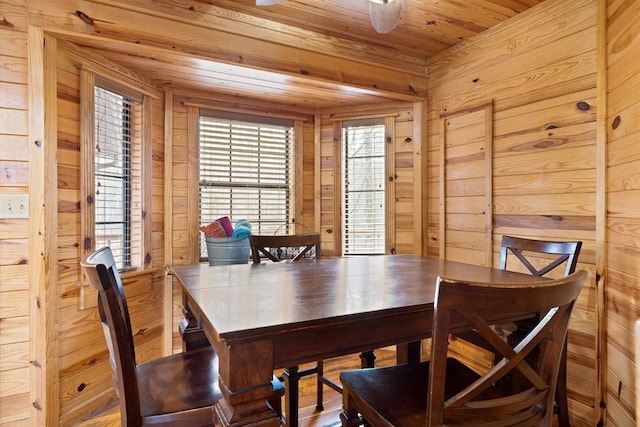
(14, 206)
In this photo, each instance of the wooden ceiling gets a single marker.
(276, 53)
(426, 27)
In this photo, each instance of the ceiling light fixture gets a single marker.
(383, 14)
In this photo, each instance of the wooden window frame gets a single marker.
(141, 218)
(291, 160)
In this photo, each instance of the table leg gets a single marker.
(192, 334)
(408, 352)
(247, 384)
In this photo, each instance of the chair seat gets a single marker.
(178, 383)
(397, 395)
(185, 384)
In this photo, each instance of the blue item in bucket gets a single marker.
(243, 223)
(241, 231)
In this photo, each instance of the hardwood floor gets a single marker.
(308, 415)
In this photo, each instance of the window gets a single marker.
(115, 171)
(364, 193)
(245, 171)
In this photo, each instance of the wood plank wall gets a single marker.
(406, 159)
(539, 71)
(622, 306)
(15, 385)
(85, 375)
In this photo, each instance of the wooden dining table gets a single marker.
(262, 317)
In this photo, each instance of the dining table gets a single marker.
(263, 317)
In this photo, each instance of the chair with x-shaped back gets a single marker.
(280, 247)
(296, 248)
(538, 258)
(444, 391)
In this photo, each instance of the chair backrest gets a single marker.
(102, 273)
(527, 249)
(463, 305)
(267, 246)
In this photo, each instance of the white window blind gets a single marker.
(364, 189)
(114, 168)
(245, 173)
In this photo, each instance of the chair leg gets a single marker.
(367, 359)
(320, 388)
(291, 382)
(561, 391)
(349, 417)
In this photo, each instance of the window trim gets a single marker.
(389, 122)
(88, 80)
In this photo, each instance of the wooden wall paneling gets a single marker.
(618, 51)
(507, 39)
(15, 405)
(240, 104)
(420, 166)
(317, 167)
(79, 341)
(636, 335)
(408, 201)
(168, 309)
(146, 183)
(432, 177)
(87, 171)
(327, 185)
(442, 191)
(177, 234)
(391, 183)
(82, 349)
(466, 185)
(337, 185)
(43, 203)
(309, 173)
(488, 181)
(193, 177)
(544, 149)
(298, 172)
(601, 216)
(177, 230)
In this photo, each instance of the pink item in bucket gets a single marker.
(226, 224)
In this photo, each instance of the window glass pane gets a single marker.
(245, 173)
(364, 190)
(113, 174)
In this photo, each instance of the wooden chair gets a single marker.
(538, 258)
(563, 253)
(294, 248)
(444, 390)
(179, 389)
(277, 247)
(524, 249)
